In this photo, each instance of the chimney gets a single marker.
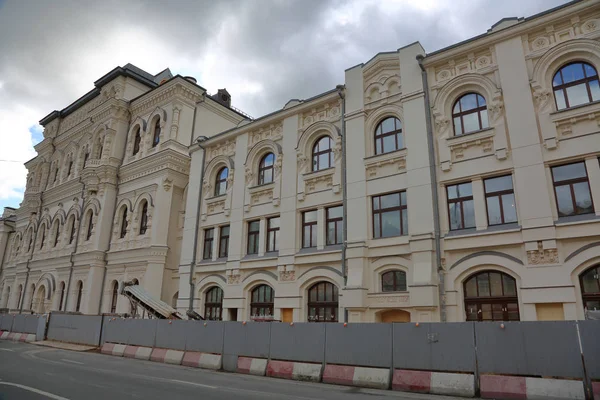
(222, 97)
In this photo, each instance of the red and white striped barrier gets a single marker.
(596, 389)
(138, 352)
(517, 387)
(434, 382)
(202, 360)
(252, 366)
(167, 356)
(113, 349)
(294, 370)
(18, 337)
(4, 335)
(377, 378)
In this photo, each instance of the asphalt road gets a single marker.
(30, 372)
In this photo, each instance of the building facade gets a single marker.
(457, 185)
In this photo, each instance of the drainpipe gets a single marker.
(71, 256)
(434, 193)
(342, 95)
(199, 140)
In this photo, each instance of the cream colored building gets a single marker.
(470, 179)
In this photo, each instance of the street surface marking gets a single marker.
(6, 350)
(193, 383)
(71, 361)
(34, 390)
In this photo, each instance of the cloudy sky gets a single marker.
(263, 51)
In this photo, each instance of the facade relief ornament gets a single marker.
(249, 175)
(226, 148)
(272, 132)
(542, 256)
(441, 123)
(496, 110)
(167, 184)
(542, 99)
(590, 26)
(302, 160)
(287, 276)
(234, 277)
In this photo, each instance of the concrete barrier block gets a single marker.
(252, 366)
(119, 350)
(143, 353)
(4, 335)
(191, 359)
(453, 384)
(107, 348)
(197, 359)
(280, 369)
(596, 389)
(174, 357)
(377, 378)
(10, 336)
(540, 388)
(28, 337)
(339, 374)
(411, 381)
(158, 355)
(504, 387)
(307, 372)
(16, 337)
(130, 351)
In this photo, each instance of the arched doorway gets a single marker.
(261, 302)
(590, 288)
(491, 296)
(40, 300)
(394, 316)
(213, 304)
(323, 302)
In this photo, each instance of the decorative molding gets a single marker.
(329, 112)
(375, 165)
(487, 253)
(272, 132)
(287, 276)
(542, 256)
(323, 178)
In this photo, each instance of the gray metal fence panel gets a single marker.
(434, 346)
(529, 348)
(40, 333)
(170, 334)
(206, 337)
(590, 343)
(6, 322)
(299, 342)
(250, 340)
(136, 332)
(25, 323)
(363, 344)
(82, 329)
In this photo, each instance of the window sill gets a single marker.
(469, 137)
(494, 229)
(319, 173)
(267, 256)
(260, 188)
(211, 262)
(577, 219)
(392, 154)
(566, 110)
(215, 199)
(386, 293)
(313, 250)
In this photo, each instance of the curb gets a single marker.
(376, 378)
(517, 387)
(166, 356)
(252, 366)
(202, 360)
(434, 382)
(18, 337)
(299, 371)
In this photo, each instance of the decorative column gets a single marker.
(479, 204)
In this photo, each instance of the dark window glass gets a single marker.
(261, 303)
(55, 175)
(123, 223)
(43, 239)
(460, 206)
(85, 159)
(115, 294)
(69, 168)
(90, 226)
(144, 219)
(62, 296)
(137, 139)
(335, 219)
(590, 288)
(388, 136)
(469, 114)
(309, 229)
(500, 200)
(57, 234)
(213, 304)
(156, 137)
(575, 84)
(208, 243)
(393, 281)
(265, 169)
(72, 230)
(390, 215)
(79, 296)
(322, 154)
(491, 296)
(224, 241)
(253, 235)
(221, 181)
(273, 234)
(323, 302)
(572, 190)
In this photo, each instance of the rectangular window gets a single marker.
(253, 234)
(572, 190)
(461, 209)
(224, 242)
(209, 235)
(335, 218)
(500, 200)
(309, 229)
(273, 234)
(390, 215)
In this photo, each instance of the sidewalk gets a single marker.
(65, 346)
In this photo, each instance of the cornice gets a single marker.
(167, 159)
(176, 89)
(65, 191)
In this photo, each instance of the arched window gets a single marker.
(56, 234)
(72, 230)
(322, 154)
(115, 293)
(62, 296)
(86, 158)
(123, 223)
(265, 169)
(388, 136)
(7, 297)
(19, 294)
(69, 168)
(156, 137)
(137, 139)
(90, 226)
(575, 84)
(323, 302)
(31, 297)
(79, 295)
(43, 238)
(393, 281)
(213, 304)
(491, 296)
(221, 181)
(469, 114)
(590, 288)
(144, 219)
(261, 304)
(30, 241)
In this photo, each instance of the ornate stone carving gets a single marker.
(483, 62)
(542, 99)
(540, 43)
(495, 110)
(287, 276)
(444, 74)
(234, 278)
(441, 123)
(167, 184)
(301, 159)
(391, 299)
(273, 132)
(249, 174)
(226, 148)
(590, 26)
(327, 112)
(542, 256)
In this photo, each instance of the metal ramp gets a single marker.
(138, 297)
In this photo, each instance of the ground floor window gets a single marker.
(590, 288)
(213, 304)
(323, 302)
(491, 296)
(261, 304)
